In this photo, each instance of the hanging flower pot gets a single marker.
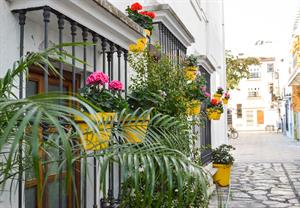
(226, 98)
(217, 96)
(191, 72)
(92, 141)
(194, 108)
(135, 129)
(213, 115)
(225, 101)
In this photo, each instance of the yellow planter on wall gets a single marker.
(91, 141)
(222, 176)
(213, 115)
(217, 96)
(135, 130)
(225, 101)
(191, 72)
(194, 108)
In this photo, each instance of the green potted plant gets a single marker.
(222, 160)
(196, 94)
(106, 102)
(214, 109)
(218, 94)
(190, 67)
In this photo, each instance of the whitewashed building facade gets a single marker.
(191, 27)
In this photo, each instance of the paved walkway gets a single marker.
(266, 173)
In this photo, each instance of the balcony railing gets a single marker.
(111, 54)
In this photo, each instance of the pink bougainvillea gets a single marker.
(97, 78)
(115, 85)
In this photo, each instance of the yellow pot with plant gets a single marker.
(219, 93)
(226, 98)
(214, 110)
(135, 128)
(109, 100)
(93, 140)
(190, 67)
(194, 108)
(222, 161)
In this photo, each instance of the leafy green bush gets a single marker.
(221, 155)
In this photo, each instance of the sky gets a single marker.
(249, 21)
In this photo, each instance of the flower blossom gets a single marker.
(203, 88)
(207, 94)
(136, 6)
(214, 102)
(152, 15)
(115, 85)
(97, 78)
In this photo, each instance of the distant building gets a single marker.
(254, 105)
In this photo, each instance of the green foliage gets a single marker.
(159, 77)
(103, 100)
(196, 89)
(191, 60)
(237, 69)
(43, 124)
(221, 155)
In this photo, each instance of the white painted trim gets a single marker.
(166, 15)
(89, 14)
(205, 62)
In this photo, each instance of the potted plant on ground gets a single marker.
(106, 102)
(190, 67)
(218, 94)
(196, 95)
(226, 98)
(214, 109)
(222, 160)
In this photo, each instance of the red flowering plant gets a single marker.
(101, 98)
(215, 106)
(142, 18)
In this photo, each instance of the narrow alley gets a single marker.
(265, 173)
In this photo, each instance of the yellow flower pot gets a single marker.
(222, 176)
(217, 96)
(135, 130)
(225, 101)
(92, 141)
(191, 72)
(194, 108)
(213, 115)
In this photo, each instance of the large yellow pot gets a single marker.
(191, 72)
(135, 129)
(213, 115)
(222, 176)
(194, 108)
(217, 96)
(92, 141)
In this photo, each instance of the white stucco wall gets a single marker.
(202, 18)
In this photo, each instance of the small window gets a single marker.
(270, 67)
(254, 73)
(249, 118)
(253, 92)
(239, 111)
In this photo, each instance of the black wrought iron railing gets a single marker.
(108, 52)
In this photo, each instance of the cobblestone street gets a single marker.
(266, 173)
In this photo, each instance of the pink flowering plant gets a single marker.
(96, 92)
(197, 89)
(226, 95)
